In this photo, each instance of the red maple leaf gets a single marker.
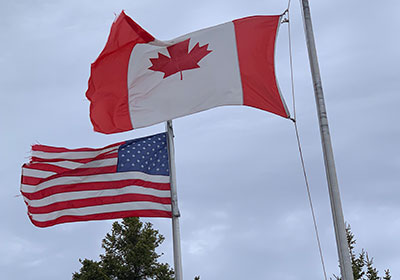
(180, 59)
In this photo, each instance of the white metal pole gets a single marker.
(336, 205)
(176, 236)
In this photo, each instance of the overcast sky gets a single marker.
(245, 213)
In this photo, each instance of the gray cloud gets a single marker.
(245, 212)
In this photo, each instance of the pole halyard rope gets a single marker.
(299, 144)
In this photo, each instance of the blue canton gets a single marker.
(148, 155)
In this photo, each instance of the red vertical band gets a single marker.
(255, 40)
(108, 89)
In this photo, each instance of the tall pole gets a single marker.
(176, 236)
(336, 205)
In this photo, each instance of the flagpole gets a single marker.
(176, 238)
(336, 205)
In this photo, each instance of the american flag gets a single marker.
(125, 179)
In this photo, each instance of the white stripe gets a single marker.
(65, 164)
(99, 209)
(68, 180)
(74, 165)
(101, 163)
(36, 173)
(72, 155)
(97, 193)
(30, 172)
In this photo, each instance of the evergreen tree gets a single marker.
(362, 265)
(129, 255)
(372, 273)
(387, 275)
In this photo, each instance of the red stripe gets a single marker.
(108, 90)
(33, 181)
(83, 160)
(94, 186)
(50, 149)
(104, 216)
(255, 41)
(37, 159)
(45, 167)
(94, 201)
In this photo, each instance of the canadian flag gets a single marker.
(139, 81)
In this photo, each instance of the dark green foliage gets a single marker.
(372, 273)
(362, 265)
(129, 255)
(387, 275)
(90, 270)
(357, 262)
